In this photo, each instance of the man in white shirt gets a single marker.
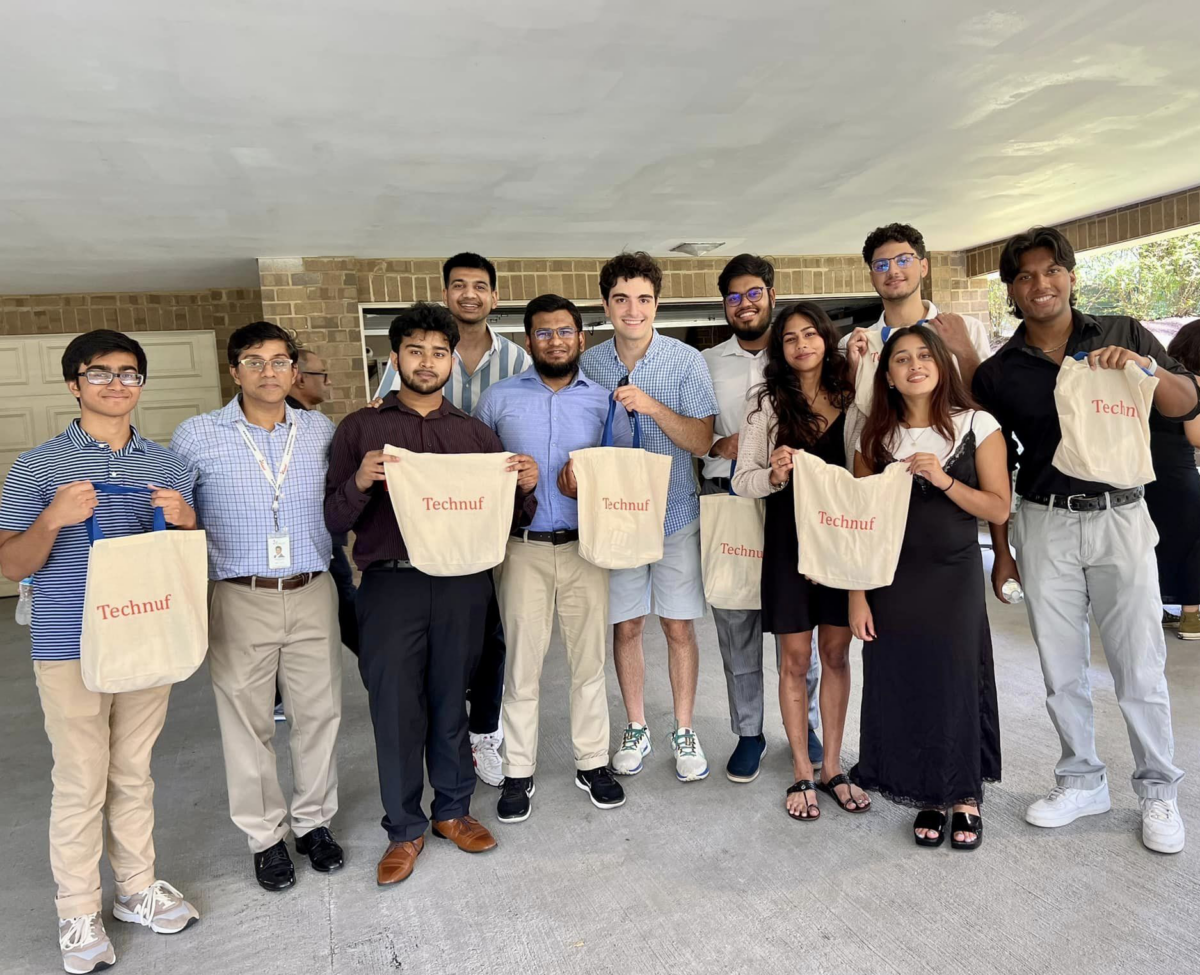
(736, 366)
(897, 258)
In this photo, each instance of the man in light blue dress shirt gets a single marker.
(546, 412)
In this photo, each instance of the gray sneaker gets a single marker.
(85, 945)
(160, 907)
(635, 746)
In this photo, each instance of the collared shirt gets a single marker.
(735, 372)
(58, 586)
(233, 497)
(675, 375)
(446, 430)
(531, 418)
(1016, 385)
(502, 360)
(977, 331)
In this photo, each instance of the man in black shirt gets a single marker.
(1080, 543)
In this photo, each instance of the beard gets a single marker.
(754, 329)
(424, 387)
(556, 370)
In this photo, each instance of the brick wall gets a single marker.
(951, 288)
(1156, 216)
(219, 309)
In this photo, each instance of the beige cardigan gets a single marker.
(756, 440)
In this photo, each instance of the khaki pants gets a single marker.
(533, 577)
(101, 745)
(256, 637)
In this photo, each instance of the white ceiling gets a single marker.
(148, 144)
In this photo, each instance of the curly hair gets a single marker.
(625, 265)
(899, 233)
(423, 316)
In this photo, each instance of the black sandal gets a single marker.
(962, 822)
(933, 819)
(841, 779)
(804, 785)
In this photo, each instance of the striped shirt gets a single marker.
(464, 389)
(676, 375)
(233, 498)
(58, 586)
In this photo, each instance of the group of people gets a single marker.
(452, 664)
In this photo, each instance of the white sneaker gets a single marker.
(85, 945)
(485, 753)
(635, 746)
(1162, 826)
(1063, 805)
(690, 763)
(160, 907)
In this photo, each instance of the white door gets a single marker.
(35, 404)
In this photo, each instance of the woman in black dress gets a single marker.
(1173, 498)
(802, 404)
(930, 732)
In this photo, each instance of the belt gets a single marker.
(272, 582)
(386, 565)
(1086, 502)
(561, 537)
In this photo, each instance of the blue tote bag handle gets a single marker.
(607, 439)
(732, 468)
(93, 527)
(1080, 356)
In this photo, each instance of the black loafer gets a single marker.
(321, 849)
(273, 868)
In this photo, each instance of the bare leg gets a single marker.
(631, 667)
(833, 643)
(683, 666)
(795, 653)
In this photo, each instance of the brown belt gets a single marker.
(273, 583)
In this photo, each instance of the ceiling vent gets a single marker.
(697, 248)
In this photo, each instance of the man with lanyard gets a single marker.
(735, 365)
(101, 743)
(547, 412)
(667, 384)
(421, 634)
(896, 256)
(273, 613)
(1081, 544)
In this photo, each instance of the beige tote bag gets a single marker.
(849, 530)
(731, 550)
(1105, 420)
(622, 500)
(864, 377)
(455, 511)
(145, 608)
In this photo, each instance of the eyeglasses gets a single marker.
(566, 333)
(102, 377)
(882, 265)
(734, 298)
(324, 375)
(257, 365)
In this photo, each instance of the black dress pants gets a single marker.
(420, 638)
(487, 683)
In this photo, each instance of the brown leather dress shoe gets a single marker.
(467, 833)
(398, 861)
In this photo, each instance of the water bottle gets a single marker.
(25, 601)
(1013, 592)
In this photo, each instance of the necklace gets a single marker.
(1055, 349)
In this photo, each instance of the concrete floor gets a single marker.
(705, 878)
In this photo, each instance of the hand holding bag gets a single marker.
(868, 365)
(731, 549)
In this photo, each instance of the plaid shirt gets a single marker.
(233, 498)
(675, 374)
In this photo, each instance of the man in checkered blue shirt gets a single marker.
(668, 385)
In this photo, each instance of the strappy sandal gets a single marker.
(813, 810)
(841, 779)
(962, 822)
(933, 819)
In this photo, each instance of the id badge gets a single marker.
(279, 550)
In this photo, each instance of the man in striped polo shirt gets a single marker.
(101, 742)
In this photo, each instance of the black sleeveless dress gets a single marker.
(790, 603)
(1173, 500)
(930, 728)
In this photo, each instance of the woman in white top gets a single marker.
(930, 731)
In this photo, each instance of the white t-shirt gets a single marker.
(907, 441)
(976, 330)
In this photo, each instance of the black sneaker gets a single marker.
(605, 791)
(513, 806)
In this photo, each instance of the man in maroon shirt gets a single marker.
(420, 636)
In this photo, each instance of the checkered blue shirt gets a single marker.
(233, 498)
(674, 374)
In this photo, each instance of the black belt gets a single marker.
(1087, 502)
(561, 537)
(390, 565)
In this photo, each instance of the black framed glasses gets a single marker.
(734, 298)
(324, 375)
(257, 365)
(566, 333)
(103, 377)
(883, 265)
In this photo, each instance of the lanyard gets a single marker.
(275, 480)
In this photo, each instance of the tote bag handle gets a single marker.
(607, 439)
(93, 527)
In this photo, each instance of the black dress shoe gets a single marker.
(273, 868)
(323, 852)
